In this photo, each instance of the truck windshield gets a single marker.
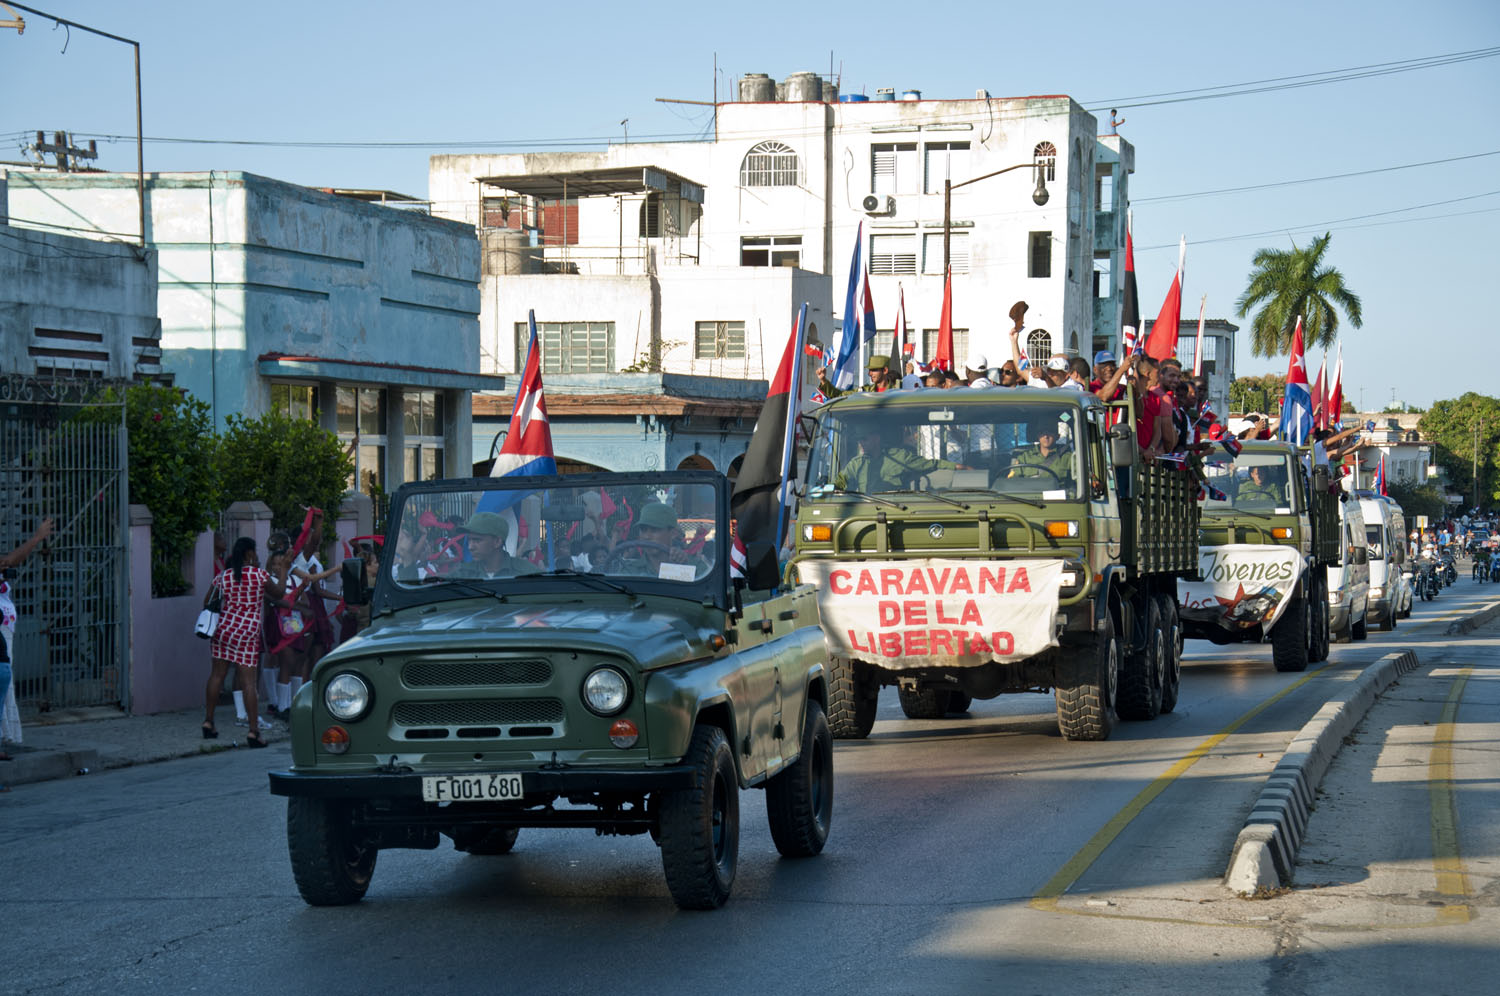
(1255, 482)
(948, 445)
(625, 532)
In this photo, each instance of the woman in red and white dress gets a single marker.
(243, 589)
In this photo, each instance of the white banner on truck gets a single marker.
(936, 613)
(1243, 584)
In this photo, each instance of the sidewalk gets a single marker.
(75, 742)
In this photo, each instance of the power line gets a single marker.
(1310, 179)
(1295, 82)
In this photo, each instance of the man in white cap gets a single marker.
(977, 371)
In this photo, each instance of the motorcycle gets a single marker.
(1427, 581)
(1449, 571)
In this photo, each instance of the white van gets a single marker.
(1384, 603)
(1402, 575)
(1349, 582)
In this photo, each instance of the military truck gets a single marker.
(1266, 537)
(973, 542)
(507, 682)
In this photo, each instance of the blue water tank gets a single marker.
(853, 98)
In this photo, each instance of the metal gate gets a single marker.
(72, 645)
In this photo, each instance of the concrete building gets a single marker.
(689, 257)
(1407, 456)
(273, 296)
(1218, 355)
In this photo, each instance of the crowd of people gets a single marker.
(275, 622)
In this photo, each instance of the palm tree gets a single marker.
(1291, 283)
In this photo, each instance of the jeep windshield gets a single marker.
(1260, 482)
(952, 444)
(620, 532)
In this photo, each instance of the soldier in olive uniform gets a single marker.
(487, 532)
(657, 541)
(881, 379)
(1053, 466)
(1260, 489)
(875, 468)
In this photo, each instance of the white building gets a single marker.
(691, 257)
(1218, 355)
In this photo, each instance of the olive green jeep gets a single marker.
(561, 652)
(1267, 535)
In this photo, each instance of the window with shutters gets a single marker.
(770, 164)
(893, 168)
(650, 224)
(946, 161)
(771, 250)
(719, 340)
(890, 254)
(932, 252)
(1039, 254)
(1044, 157)
(570, 347)
(1038, 347)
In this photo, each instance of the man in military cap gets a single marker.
(487, 532)
(881, 379)
(877, 468)
(1052, 465)
(656, 540)
(1260, 489)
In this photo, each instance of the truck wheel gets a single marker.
(852, 699)
(331, 864)
(493, 840)
(1360, 630)
(959, 702)
(1292, 636)
(1086, 684)
(700, 825)
(1142, 675)
(1389, 622)
(1172, 627)
(925, 703)
(799, 799)
(1318, 605)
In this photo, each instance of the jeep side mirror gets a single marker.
(1122, 445)
(762, 572)
(352, 574)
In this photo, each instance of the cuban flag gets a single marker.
(859, 321)
(527, 448)
(1296, 407)
(1380, 476)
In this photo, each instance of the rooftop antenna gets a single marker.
(625, 123)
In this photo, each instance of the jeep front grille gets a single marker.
(461, 674)
(479, 712)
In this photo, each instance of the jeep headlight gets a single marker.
(347, 696)
(606, 691)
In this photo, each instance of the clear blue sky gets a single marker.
(451, 73)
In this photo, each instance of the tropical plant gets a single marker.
(1465, 433)
(1286, 283)
(172, 471)
(288, 463)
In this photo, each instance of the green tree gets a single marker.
(1286, 283)
(172, 472)
(288, 463)
(1462, 432)
(1256, 394)
(1418, 499)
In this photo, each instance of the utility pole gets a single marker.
(1038, 197)
(65, 154)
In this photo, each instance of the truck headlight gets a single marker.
(347, 696)
(606, 691)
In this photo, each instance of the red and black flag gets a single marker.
(762, 491)
(1130, 312)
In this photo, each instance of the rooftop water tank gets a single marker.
(803, 86)
(885, 93)
(852, 98)
(911, 94)
(757, 88)
(830, 91)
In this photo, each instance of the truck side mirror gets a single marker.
(1320, 479)
(1122, 445)
(1359, 555)
(352, 574)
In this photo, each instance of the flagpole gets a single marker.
(789, 439)
(1198, 349)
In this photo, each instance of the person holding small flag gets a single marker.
(882, 379)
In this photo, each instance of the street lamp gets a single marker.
(1038, 197)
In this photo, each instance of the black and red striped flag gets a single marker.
(762, 491)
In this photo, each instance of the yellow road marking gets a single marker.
(1447, 861)
(1047, 897)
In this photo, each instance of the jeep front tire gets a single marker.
(330, 862)
(799, 799)
(700, 825)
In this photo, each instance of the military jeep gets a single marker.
(550, 652)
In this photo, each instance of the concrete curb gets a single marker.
(44, 766)
(1462, 627)
(1265, 852)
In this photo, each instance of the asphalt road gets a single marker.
(974, 854)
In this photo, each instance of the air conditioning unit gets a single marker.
(879, 204)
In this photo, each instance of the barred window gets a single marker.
(1045, 157)
(719, 340)
(1038, 347)
(570, 347)
(770, 164)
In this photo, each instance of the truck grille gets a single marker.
(479, 712)
(461, 674)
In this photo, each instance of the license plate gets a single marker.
(501, 787)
